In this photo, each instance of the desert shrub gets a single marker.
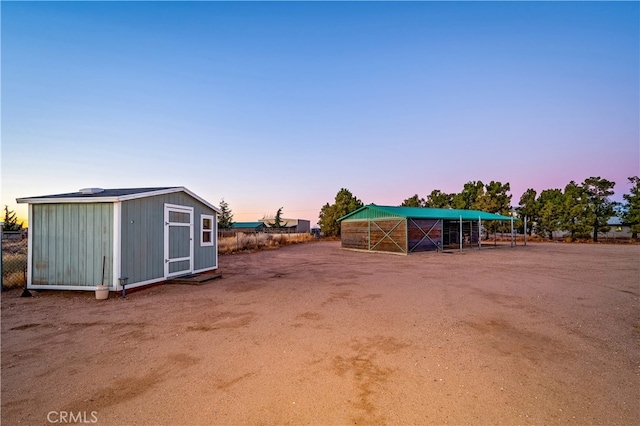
(258, 241)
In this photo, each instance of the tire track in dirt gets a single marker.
(367, 372)
(127, 388)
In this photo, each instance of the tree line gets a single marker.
(582, 210)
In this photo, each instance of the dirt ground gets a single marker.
(313, 334)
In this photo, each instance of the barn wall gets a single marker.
(69, 242)
(142, 222)
(417, 228)
(355, 234)
(395, 241)
(142, 239)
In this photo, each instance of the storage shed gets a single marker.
(144, 234)
(411, 229)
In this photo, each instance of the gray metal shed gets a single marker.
(145, 234)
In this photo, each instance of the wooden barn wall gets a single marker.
(143, 236)
(415, 228)
(382, 242)
(69, 242)
(355, 234)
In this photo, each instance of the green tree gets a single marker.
(277, 220)
(493, 198)
(529, 208)
(548, 218)
(328, 217)
(575, 211)
(467, 199)
(10, 220)
(600, 207)
(631, 211)
(439, 200)
(414, 201)
(225, 218)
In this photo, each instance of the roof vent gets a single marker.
(91, 190)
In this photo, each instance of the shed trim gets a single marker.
(79, 197)
(62, 287)
(29, 247)
(168, 208)
(117, 252)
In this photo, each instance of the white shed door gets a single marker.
(178, 240)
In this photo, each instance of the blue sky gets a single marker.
(282, 104)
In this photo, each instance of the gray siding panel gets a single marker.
(142, 224)
(142, 239)
(69, 242)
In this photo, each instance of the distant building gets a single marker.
(247, 226)
(292, 225)
(617, 230)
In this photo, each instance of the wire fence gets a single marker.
(226, 233)
(14, 259)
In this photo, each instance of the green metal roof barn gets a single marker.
(405, 230)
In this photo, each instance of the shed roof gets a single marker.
(371, 211)
(99, 195)
(247, 224)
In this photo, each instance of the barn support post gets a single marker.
(460, 234)
(525, 230)
(513, 243)
(479, 232)
(406, 231)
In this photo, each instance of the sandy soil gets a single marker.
(312, 334)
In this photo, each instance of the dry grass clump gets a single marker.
(256, 241)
